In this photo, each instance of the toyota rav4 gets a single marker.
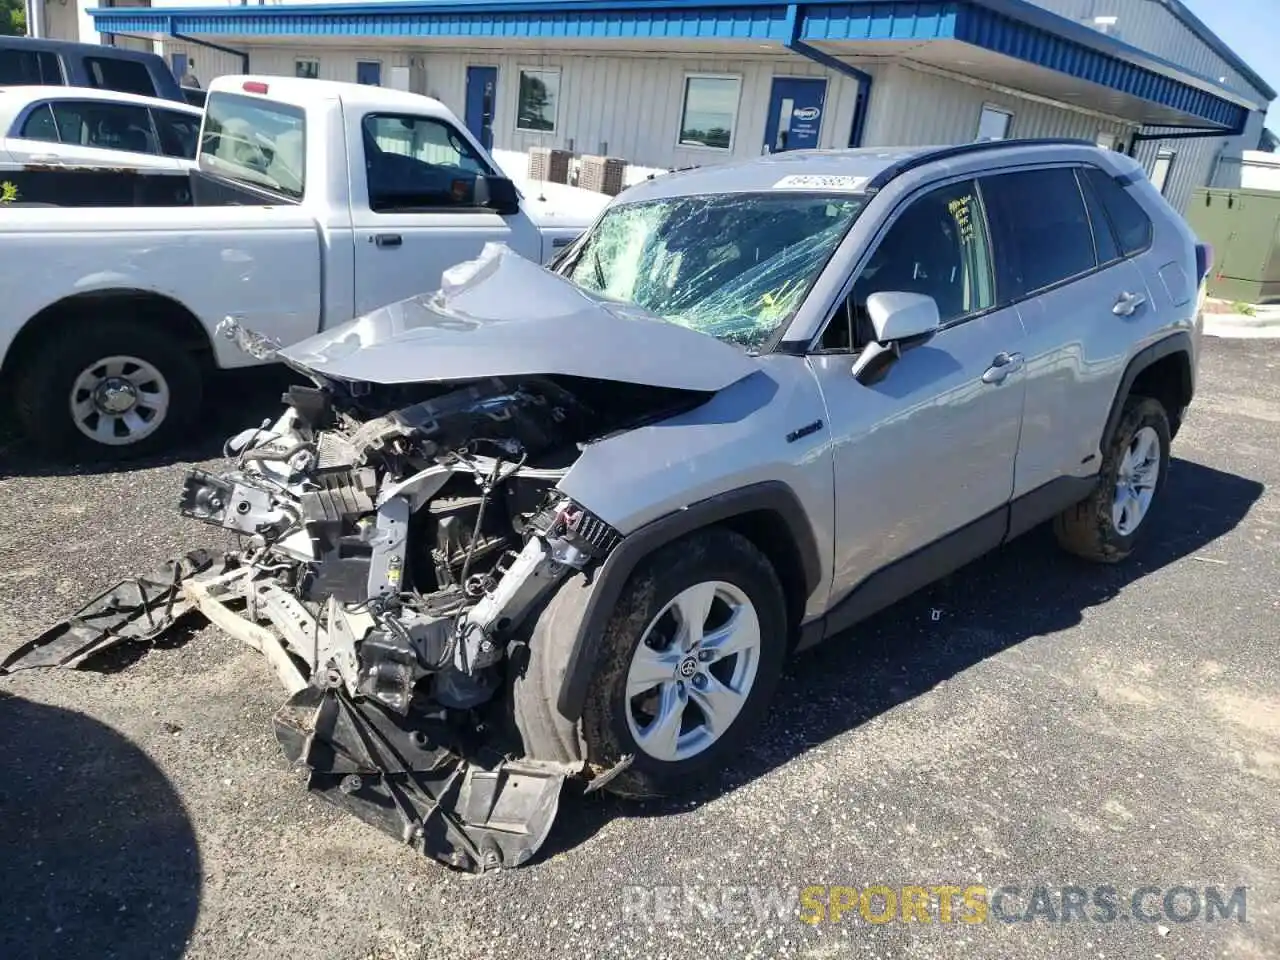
(568, 521)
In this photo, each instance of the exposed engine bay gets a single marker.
(393, 542)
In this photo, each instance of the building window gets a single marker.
(308, 69)
(710, 111)
(538, 101)
(1163, 167)
(993, 124)
(1107, 141)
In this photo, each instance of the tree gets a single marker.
(13, 18)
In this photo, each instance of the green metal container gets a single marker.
(1243, 226)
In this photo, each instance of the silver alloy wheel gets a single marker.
(119, 400)
(692, 671)
(1136, 481)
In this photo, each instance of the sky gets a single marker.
(1252, 29)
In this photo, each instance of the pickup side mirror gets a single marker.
(498, 194)
(895, 316)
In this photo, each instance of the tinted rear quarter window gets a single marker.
(29, 67)
(127, 76)
(1131, 224)
(39, 125)
(1041, 230)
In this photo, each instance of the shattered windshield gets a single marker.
(735, 266)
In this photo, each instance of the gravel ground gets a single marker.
(1056, 724)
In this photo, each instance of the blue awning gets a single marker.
(1013, 29)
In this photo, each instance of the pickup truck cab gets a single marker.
(310, 202)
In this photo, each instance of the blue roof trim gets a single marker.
(1014, 28)
(1001, 34)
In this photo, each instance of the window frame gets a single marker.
(737, 78)
(840, 307)
(486, 171)
(555, 119)
(1163, 153)
(994, 108)
(298, 61)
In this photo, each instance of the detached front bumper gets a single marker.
(452, 793)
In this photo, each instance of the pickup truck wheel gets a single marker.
(109, 390)
(1106, 527)
(689, 662)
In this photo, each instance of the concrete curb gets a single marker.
(1264, 326)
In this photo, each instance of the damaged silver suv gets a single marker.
(567, 522)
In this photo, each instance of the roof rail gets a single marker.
(881, 179)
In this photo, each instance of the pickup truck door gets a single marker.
(88, 133)
(412, 213)
(923, 458)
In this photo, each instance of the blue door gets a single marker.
(369, 72)
(482, 93)
(795, 114)
(179, 63)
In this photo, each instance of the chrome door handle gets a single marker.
(1127, 304)
(1001, 366)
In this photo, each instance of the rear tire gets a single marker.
(742, 591)
(107, 390)
(1134, 466)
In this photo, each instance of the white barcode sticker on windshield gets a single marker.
(808, 181)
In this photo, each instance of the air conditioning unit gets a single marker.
(1109, 25)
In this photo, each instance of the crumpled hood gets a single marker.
(501, 315)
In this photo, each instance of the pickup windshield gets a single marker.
(255, 141)
(735, 266)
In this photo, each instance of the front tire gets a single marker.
(107, 391)
(1106, 527)
(688, 664)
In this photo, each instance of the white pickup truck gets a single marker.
(310, 203)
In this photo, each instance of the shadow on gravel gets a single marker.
(233, 401)
(97, 856)
(1028, 588)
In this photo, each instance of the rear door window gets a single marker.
(111, 126)
(1132, 225)
(179, 133)
(1042, 234)
(127, 76)
(25, 68)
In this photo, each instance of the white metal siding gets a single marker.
(1150, 26)
(629, 103)
(911, 107)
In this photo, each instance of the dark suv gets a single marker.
(27, 61)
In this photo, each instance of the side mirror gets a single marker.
(895, 316)
(498, 194)
(901, 316)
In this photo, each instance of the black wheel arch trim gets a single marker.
(1177, 342)
(612, 576)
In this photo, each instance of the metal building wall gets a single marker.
(912, 107)
(629, 103)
